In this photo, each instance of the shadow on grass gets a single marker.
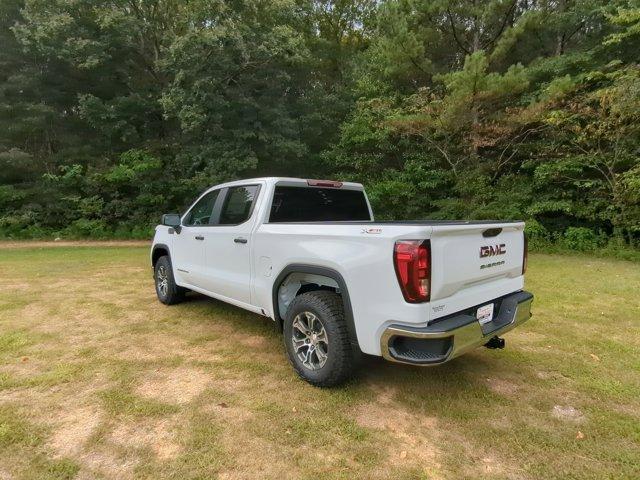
(235, 317)
(449, 387)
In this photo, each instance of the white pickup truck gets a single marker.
(309, 255)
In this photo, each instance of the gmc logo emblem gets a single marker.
(493, 250)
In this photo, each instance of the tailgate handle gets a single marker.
(199, 237)
(240, 240)
(491, 232)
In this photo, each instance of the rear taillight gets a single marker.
(412, 259)
(525, 253)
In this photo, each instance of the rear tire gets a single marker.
(168, 292)
(317, 339)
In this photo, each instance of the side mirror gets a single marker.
(172, 220)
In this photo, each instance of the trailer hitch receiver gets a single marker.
(495, 342)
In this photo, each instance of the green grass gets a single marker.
(119, 401)
(97, 379)
(21, 444)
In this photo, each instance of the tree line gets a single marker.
(113, 112)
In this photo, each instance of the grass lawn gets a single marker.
(99, 380)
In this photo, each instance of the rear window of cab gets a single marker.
(313, 204)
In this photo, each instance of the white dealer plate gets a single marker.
(484, 314)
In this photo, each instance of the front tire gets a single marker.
(168, 292)
(317, 340)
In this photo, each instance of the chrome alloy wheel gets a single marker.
(162, 280)
(309, 340)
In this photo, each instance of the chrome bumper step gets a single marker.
(451, 336)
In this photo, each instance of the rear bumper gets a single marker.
(453, 335)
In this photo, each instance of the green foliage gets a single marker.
(627, 16)
(537, 235)
(552, 138)
(580, 238)
(112, 113)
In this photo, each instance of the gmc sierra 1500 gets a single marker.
(309, 255)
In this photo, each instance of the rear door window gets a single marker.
(312, 204)
(238, 204)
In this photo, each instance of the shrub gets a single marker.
(83, 228)
(581, 239)
(20, 225)
(537, 234)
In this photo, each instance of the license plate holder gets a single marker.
(484, 314)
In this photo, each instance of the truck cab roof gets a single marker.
(293, 181)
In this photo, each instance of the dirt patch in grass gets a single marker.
(34, 312)
(489, 465)
(105, 463)
(414, 437)
(231, 412)
(630, 410)
(255, 458)
(146, 347)
(502, 386)
(176, 385)
(158, 435)
(23, 367)
(73, 429)
(567, 412)
(254, 341)
(159, 347)
(4, 475)
(20, 286)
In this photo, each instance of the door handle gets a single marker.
(240, 240)
(199, 237)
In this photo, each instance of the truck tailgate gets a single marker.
(471, 255)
